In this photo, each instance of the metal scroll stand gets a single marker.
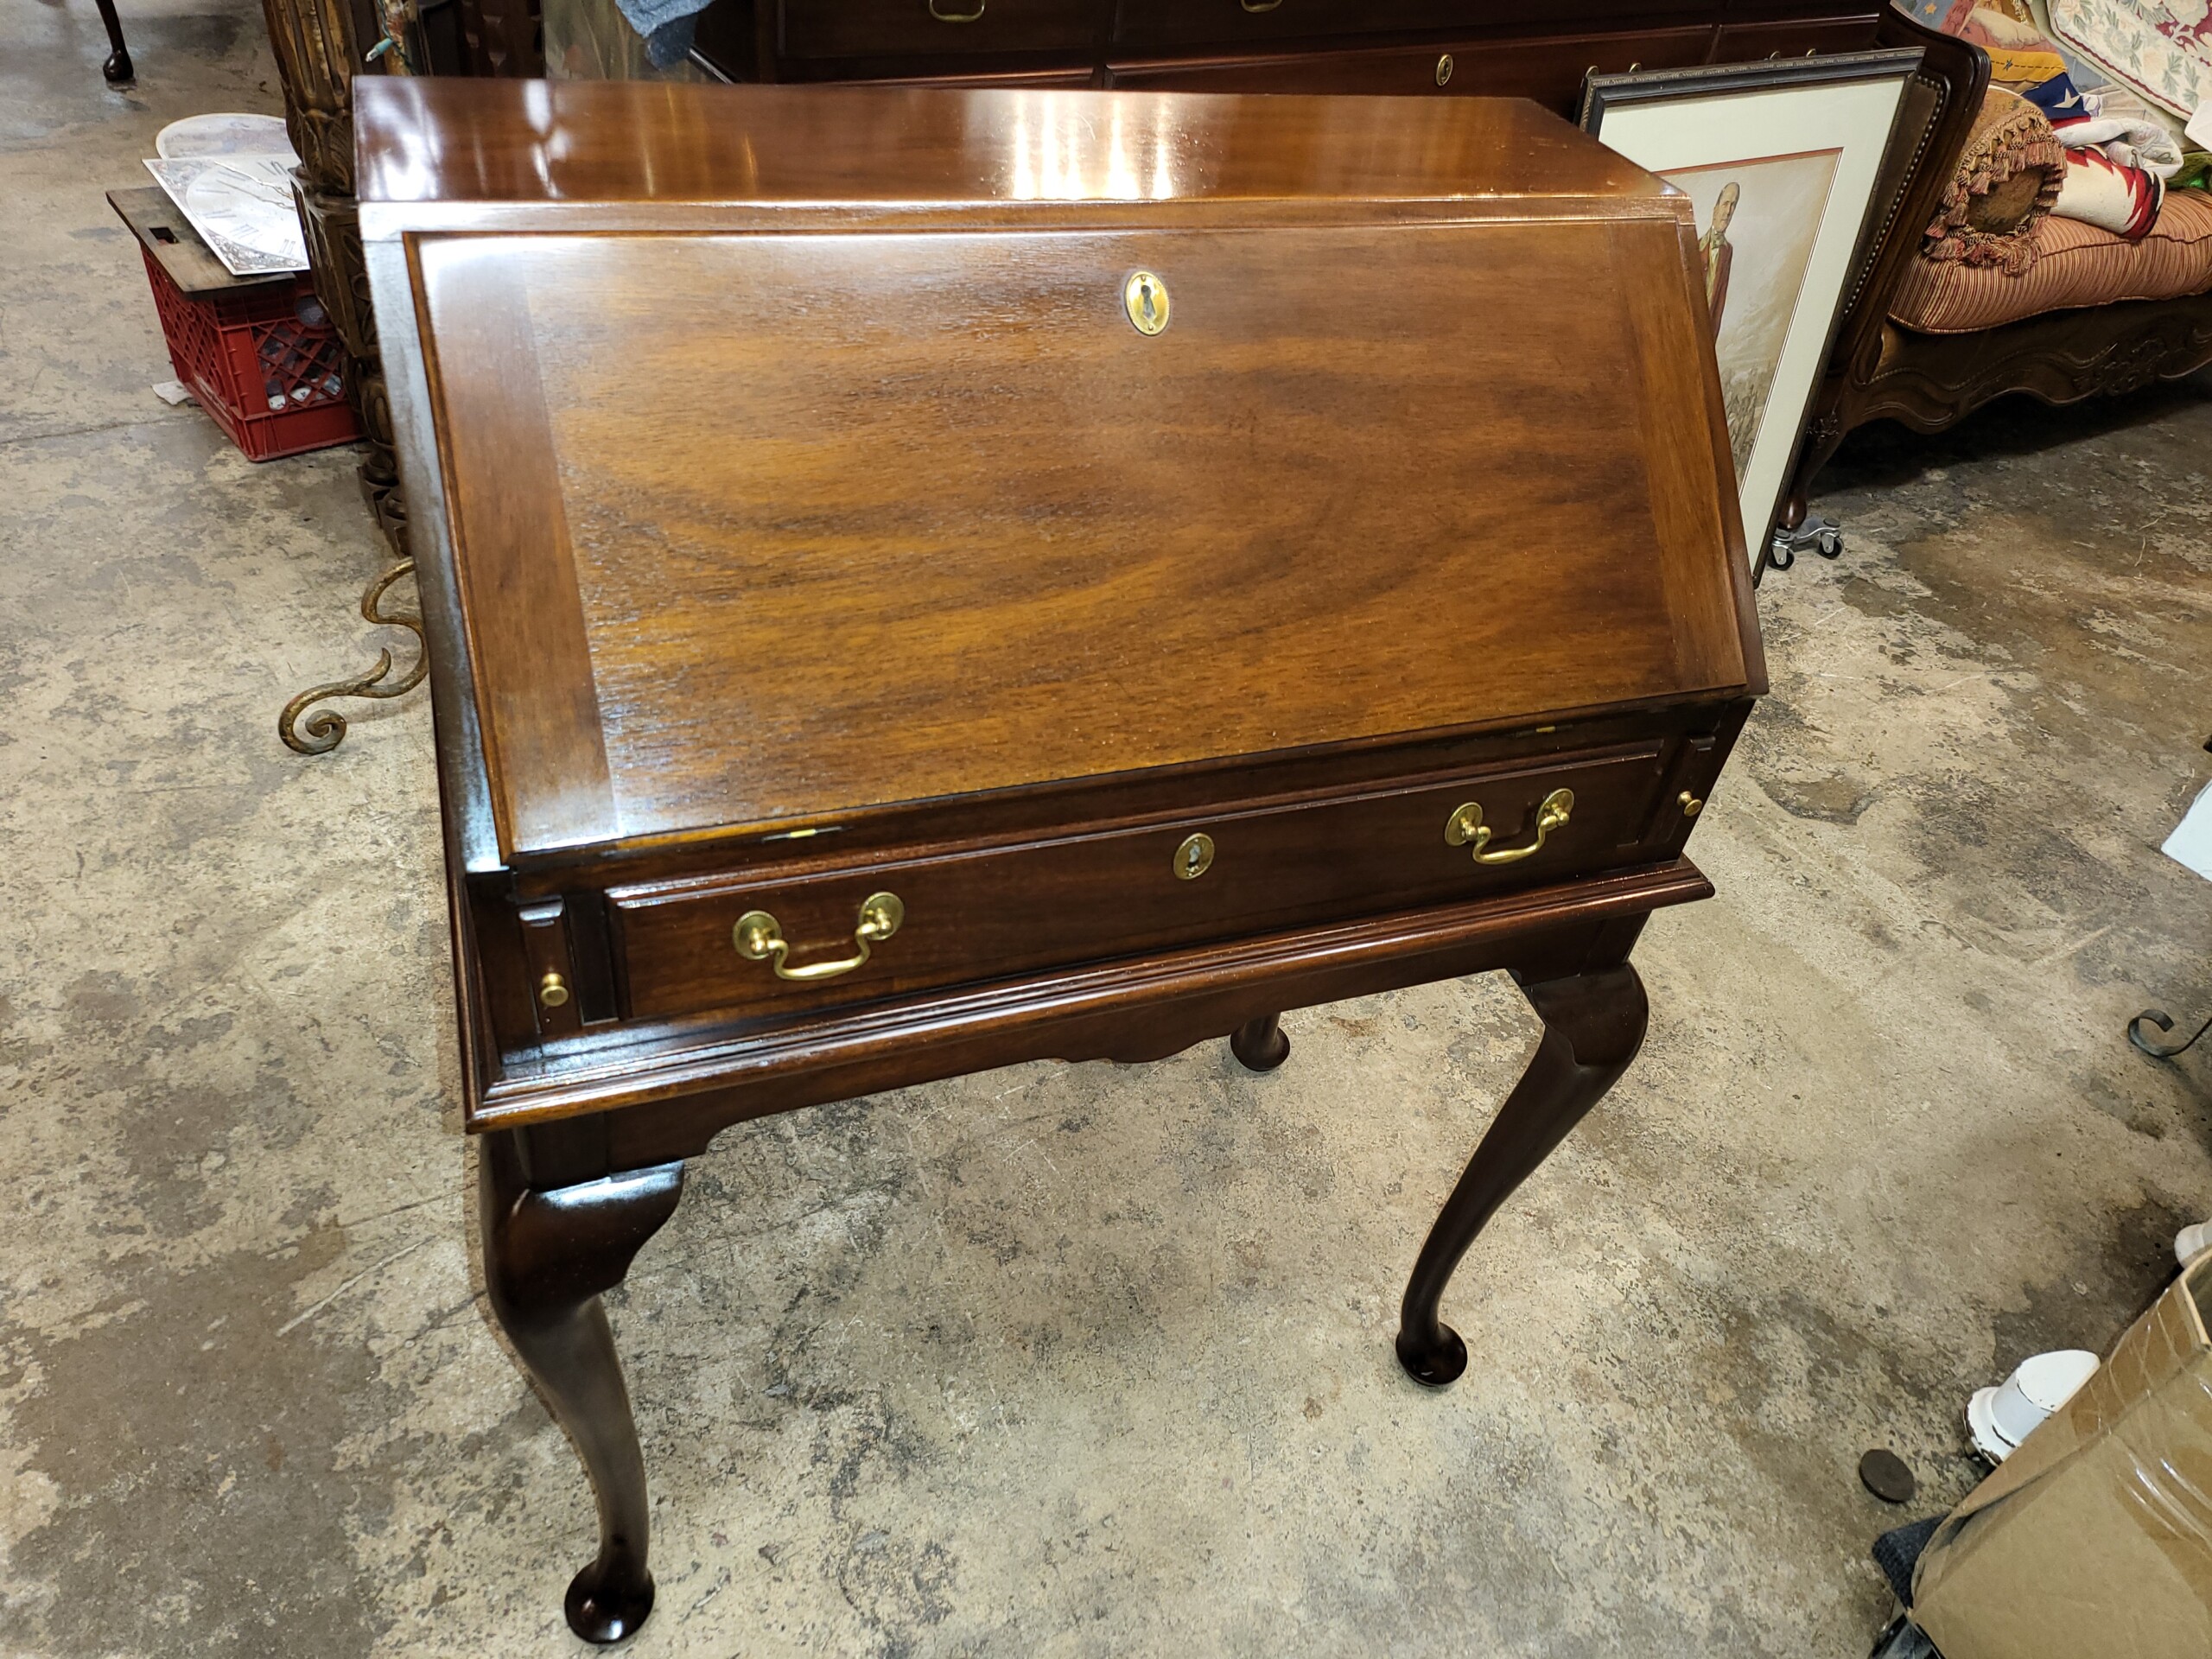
(325, 730)
(2162, 1020)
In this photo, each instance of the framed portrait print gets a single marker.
(1781, 161)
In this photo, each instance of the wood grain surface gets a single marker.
(559, 145)
(862, 519)
(976, 914)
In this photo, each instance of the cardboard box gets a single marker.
(2095, 1537)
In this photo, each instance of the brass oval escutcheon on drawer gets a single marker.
(1009, 910)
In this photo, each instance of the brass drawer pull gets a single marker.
(759, 939)
(1255, 7)
(1466, 828)
(943, 18)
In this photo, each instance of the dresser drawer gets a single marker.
(1549, 70)
(1152, 25)
(890, 28)
(969, 916)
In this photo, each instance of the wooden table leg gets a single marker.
(1259, 1045)
(547, 1257)
(1593, 1024)
(117, 69)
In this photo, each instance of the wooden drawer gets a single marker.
(1550, 71)
(1156, 25)
(891, 29)
(985, 914)
(1746, 42)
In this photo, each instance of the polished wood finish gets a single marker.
(1929, 382)
(1101, 894)
(1260, 1044)
(573, 154)
(1593, 1025)
(548, 1257)
(1522, 48)
(803, 520)
(117, 70)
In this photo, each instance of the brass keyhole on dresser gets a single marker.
(1144, 297)
(1193, 858)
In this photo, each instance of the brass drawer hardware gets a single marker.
(1466, 828)
(1691, 805)
(1444, 70)
(1255, 7)
(1194, 857)
(553, 990)
(1144, 297)
(944, 16)
(760, 938)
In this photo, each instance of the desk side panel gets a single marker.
(471, 837)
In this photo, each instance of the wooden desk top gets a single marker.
(852, 493)
(425, 140)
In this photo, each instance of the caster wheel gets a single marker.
(1780, 556)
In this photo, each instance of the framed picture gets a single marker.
(1781, 161)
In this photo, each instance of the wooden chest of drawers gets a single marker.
(919, 581)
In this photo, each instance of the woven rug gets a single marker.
(2163, 48)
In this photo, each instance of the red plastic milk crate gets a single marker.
(264, 361)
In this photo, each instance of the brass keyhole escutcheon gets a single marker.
(553, 991)
(1194, 857)
(1144, 297)
(1444, 70)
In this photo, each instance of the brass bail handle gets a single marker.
(759, 937)
(944, 16)
(1466, 828)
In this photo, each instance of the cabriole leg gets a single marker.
(1593, 1024)
(547, 1255)
(1259, 1045)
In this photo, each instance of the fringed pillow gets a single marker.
(2009, 177)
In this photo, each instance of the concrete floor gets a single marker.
(1054, 1360)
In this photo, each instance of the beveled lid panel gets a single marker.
(759, 529)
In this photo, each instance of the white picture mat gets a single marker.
(1717, 127)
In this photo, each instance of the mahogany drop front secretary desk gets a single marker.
(919, 581)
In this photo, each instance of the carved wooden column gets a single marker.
(319, 46)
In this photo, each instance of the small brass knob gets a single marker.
(553, 990)
(1444, 70)
(1691, 805)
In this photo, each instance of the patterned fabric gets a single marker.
(2009, 176)
(2163, 48)
(2020, 54)
(2118, 123)
(2075, 264)
(2099, 191)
